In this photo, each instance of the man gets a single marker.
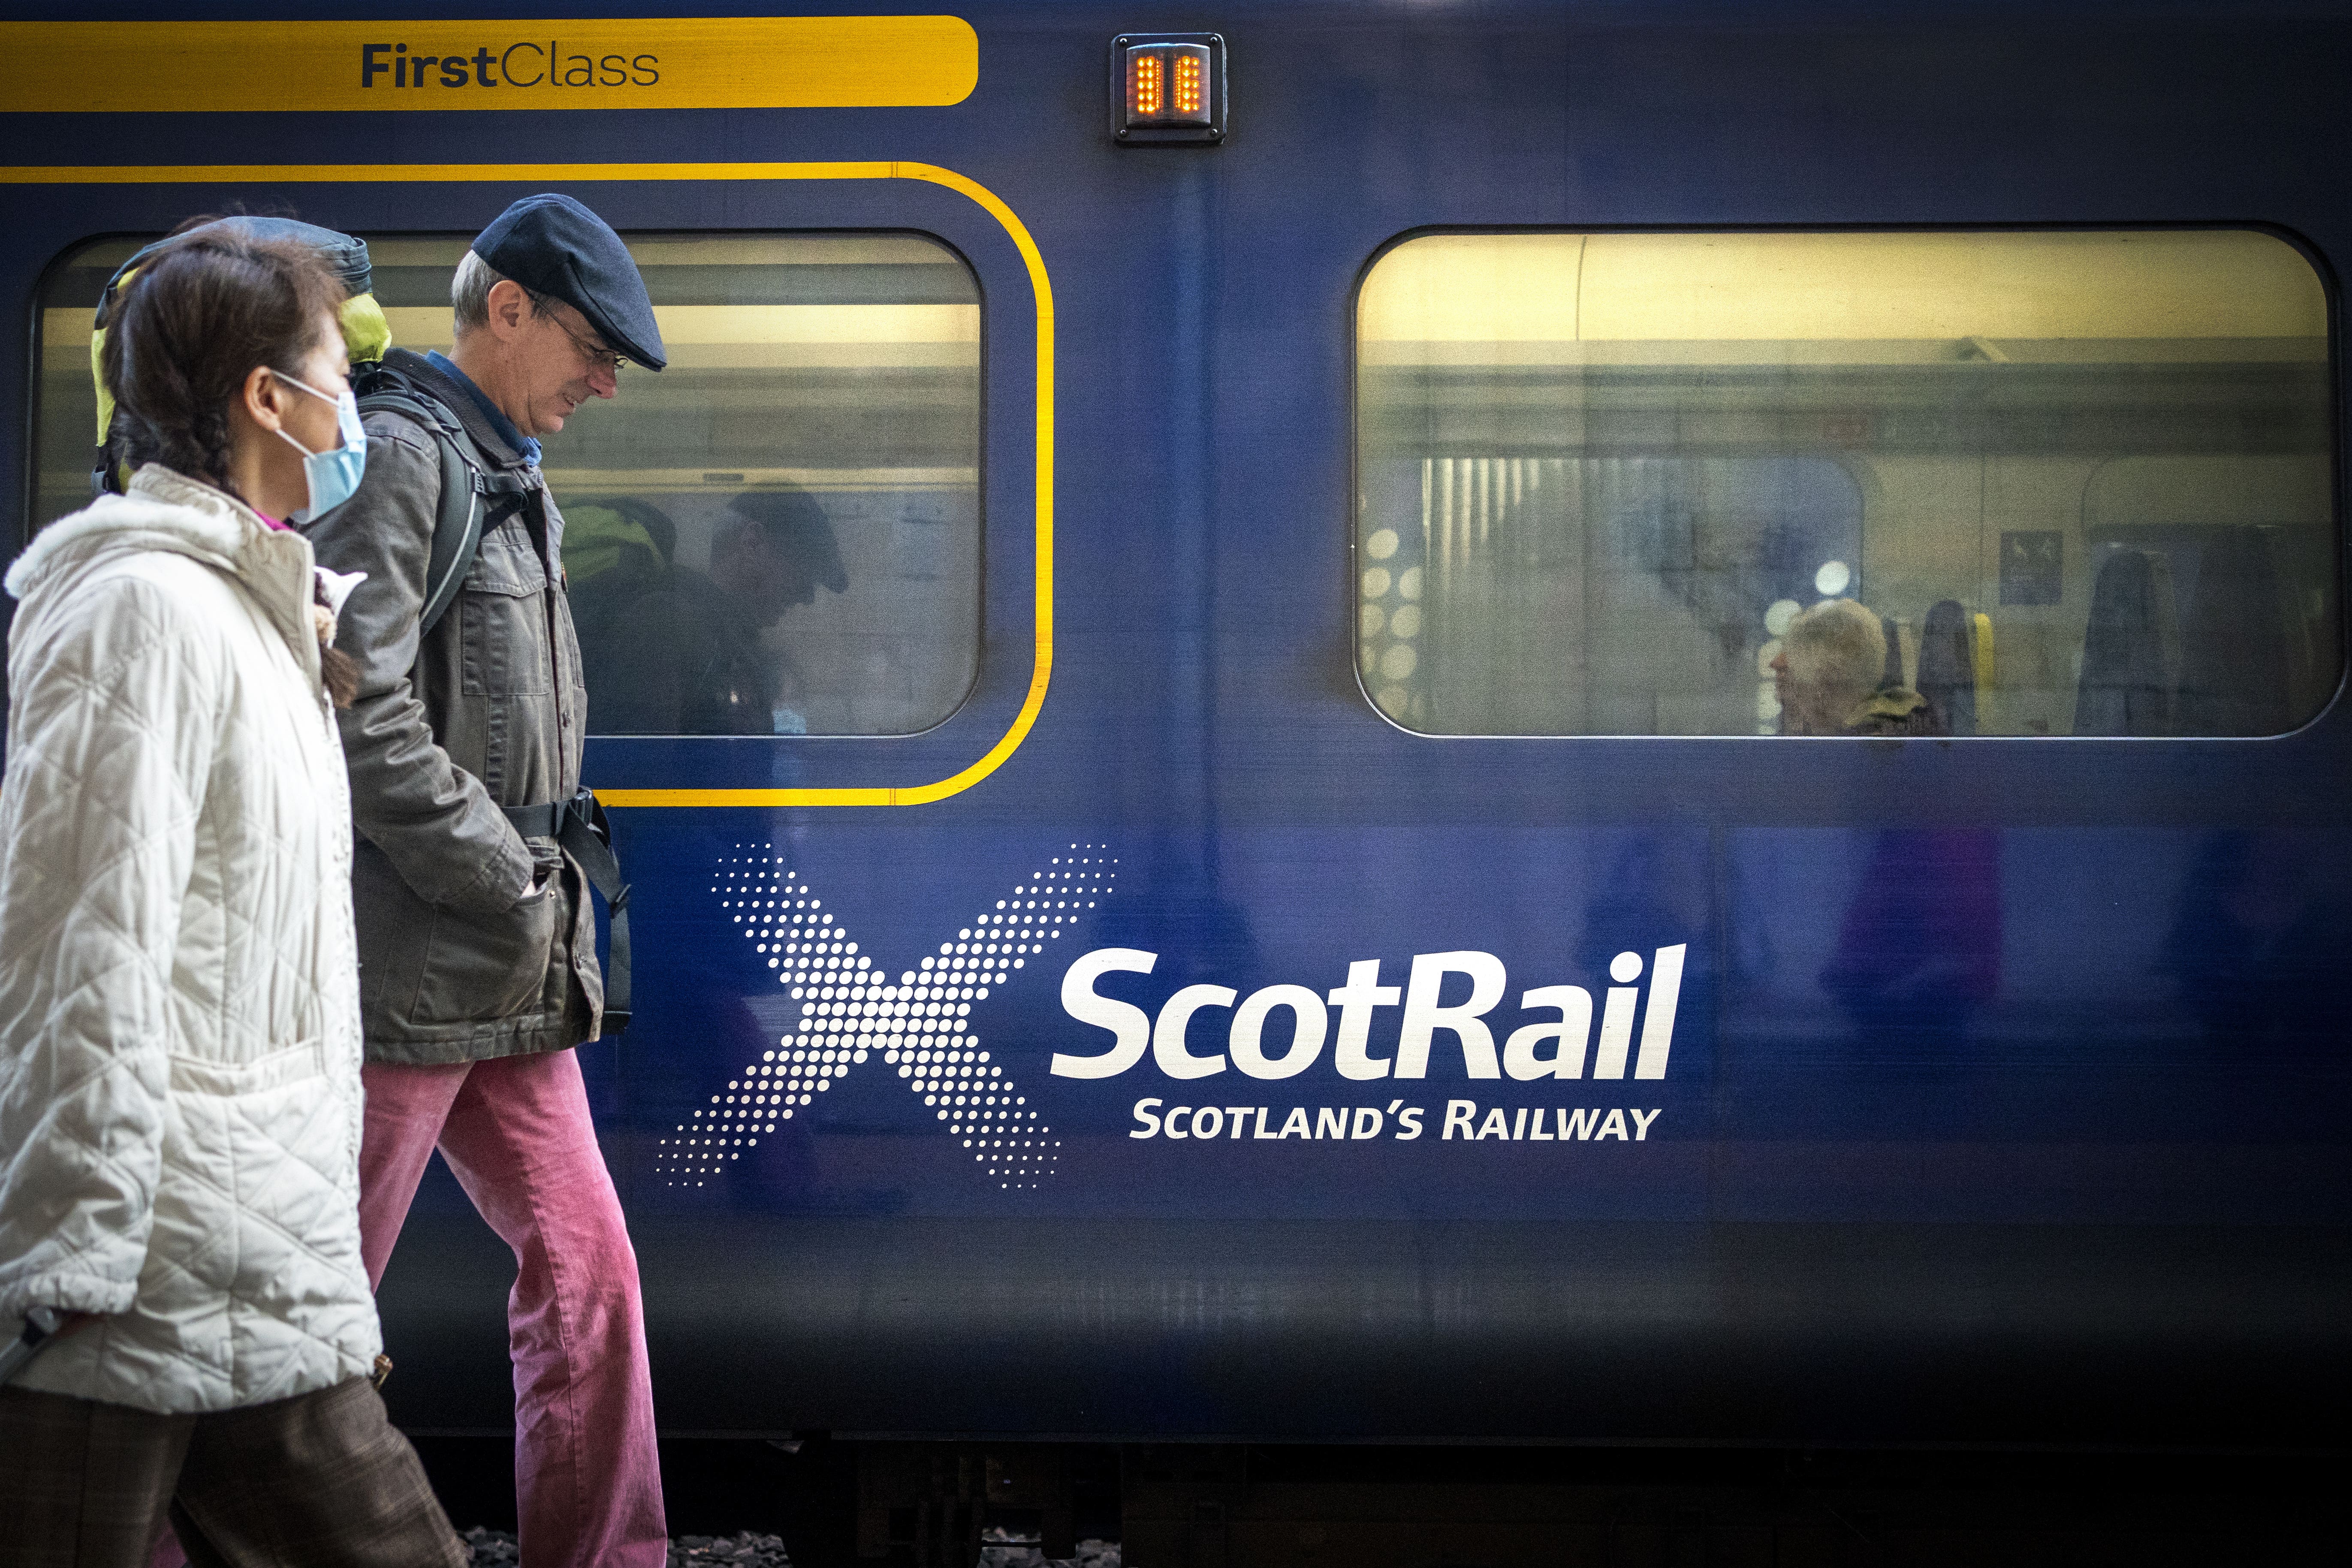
(476, 940)
(672, 651)
(1829, 675)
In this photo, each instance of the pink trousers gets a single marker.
(516, 1132)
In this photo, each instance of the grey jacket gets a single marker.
(474, 942)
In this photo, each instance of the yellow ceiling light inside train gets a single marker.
(1965, 295)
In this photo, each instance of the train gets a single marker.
(1306, 502)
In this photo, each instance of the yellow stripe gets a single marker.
(410, 174)
(625, 63)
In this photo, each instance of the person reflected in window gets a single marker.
(1830, 676)
(672, 651)
(616, 559)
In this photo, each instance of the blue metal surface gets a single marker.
(1879, 1202)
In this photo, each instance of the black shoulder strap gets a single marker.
(467, 484)
(579, 826)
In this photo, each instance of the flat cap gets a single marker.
(797, 525)
(552, 243)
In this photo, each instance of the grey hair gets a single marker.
(469, 293)
(1839, 649)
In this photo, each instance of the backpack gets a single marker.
(365, 332)
(467, 481)
(476, 495)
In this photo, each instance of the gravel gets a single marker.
(497, 1549)
(740, 1550)
(1001, 1552)
(492, 1548)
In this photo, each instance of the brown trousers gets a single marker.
(322, 1478)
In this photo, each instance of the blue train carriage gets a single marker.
(1184, 657)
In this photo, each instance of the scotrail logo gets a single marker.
(920, 1023)
(1549, 1047)
(1553, 1047)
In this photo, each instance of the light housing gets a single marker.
(1167, 88)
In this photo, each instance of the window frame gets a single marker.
(995, 226)
(1351, 562)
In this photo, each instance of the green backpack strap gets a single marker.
(474, 496)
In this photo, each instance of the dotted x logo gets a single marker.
(850, 1008)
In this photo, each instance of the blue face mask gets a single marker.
(332, 475)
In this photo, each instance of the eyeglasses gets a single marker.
(609, 360)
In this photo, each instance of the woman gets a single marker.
(179, 1030)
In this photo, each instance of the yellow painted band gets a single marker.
(1041, 671)
(482, 66)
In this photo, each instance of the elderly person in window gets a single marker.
(1830, 676)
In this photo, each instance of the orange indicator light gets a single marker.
(1192, 96)
(1169, 89)
(1145, 101)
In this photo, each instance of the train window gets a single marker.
(65, 401)
(779, 533)
(1711, 484)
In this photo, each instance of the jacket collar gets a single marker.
(168, 512)
(499, 441)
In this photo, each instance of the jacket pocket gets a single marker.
(503, 649)
(257, 1175)
(478, 969)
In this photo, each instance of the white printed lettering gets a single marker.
(1570, 1033)
(1616, 1032)
(1641, 1124)
(1658, 1021)
(1150, 1122)
(1168, 1035)
(1423, 1016)
(1130, 1030)
(1614, 1127)
(1305, 1040)
(1356, 1000)
(1458, 1112)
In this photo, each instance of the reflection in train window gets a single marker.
(2064, 484)
(779, 533)
(65, 402)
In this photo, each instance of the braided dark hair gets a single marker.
(186, 331)
(190, 326)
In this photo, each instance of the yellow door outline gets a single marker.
(383, 174)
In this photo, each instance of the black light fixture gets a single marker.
(1168, 87)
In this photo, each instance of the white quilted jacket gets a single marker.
(179, 984)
